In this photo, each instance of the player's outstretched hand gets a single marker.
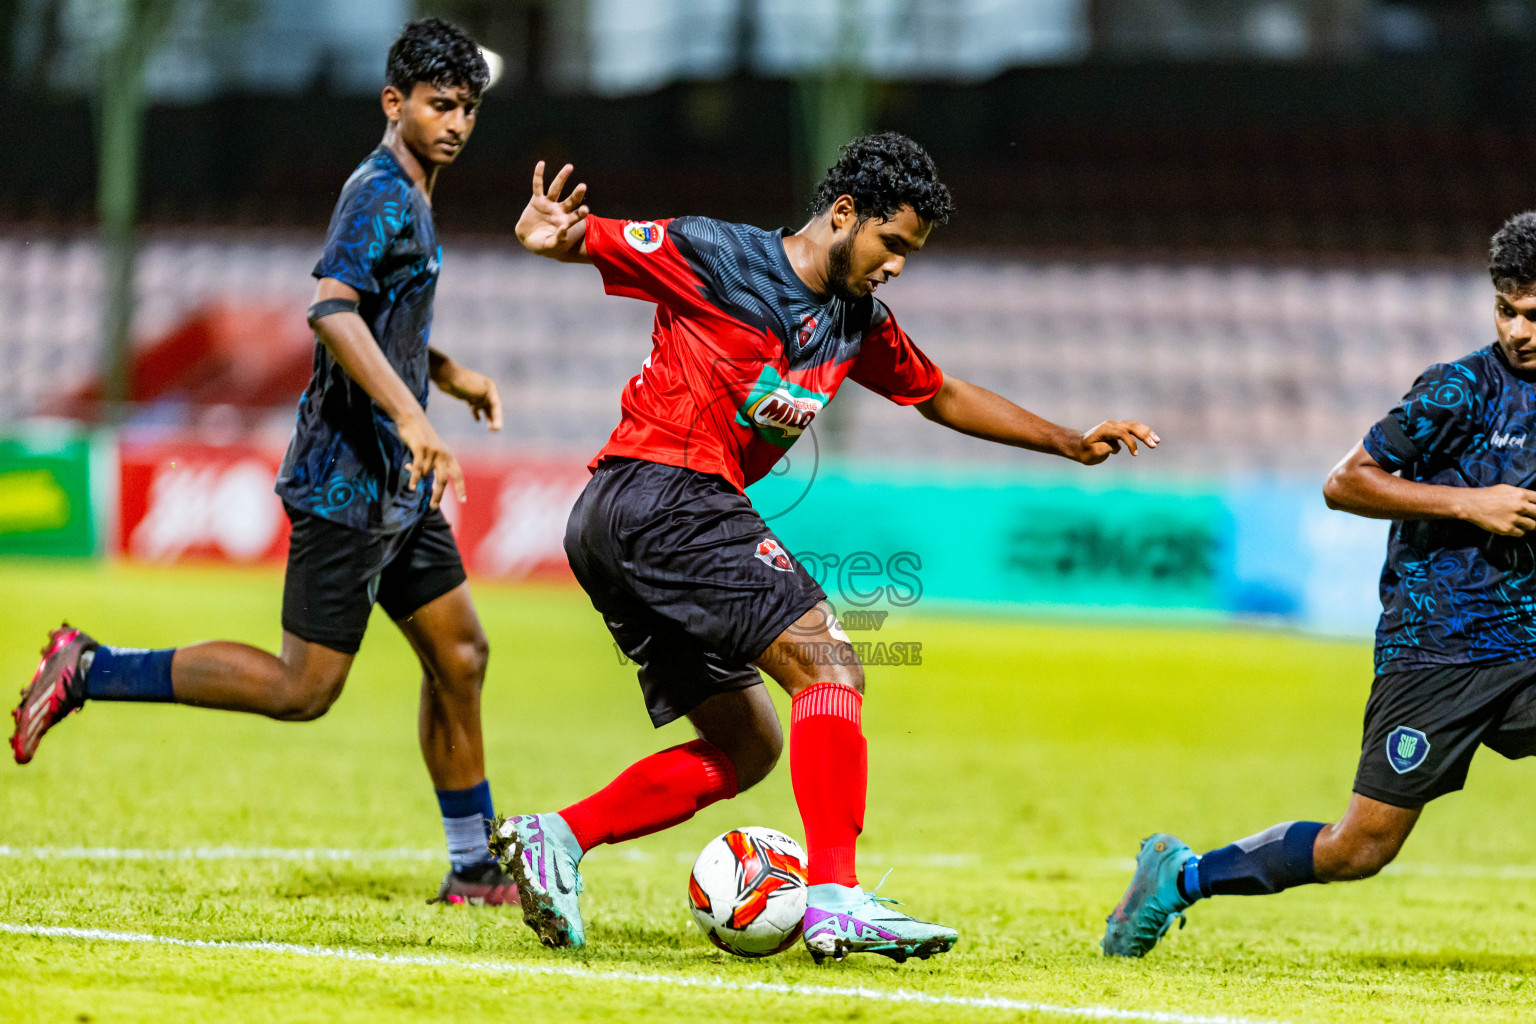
(551, 226)
(1105, 440)
(430, 455)
(472, 388)
(1502, 509)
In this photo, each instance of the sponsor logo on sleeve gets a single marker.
(1406, 749)
(644, 235)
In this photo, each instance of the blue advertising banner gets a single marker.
(888, 535)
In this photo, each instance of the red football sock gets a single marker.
(654, 793)
(829, 767)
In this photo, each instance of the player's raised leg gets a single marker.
(327, 598)
(739, 743)
(829, 768)
(454, 653)
(1170, 877)
(297, 685)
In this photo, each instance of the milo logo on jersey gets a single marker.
(778, 410)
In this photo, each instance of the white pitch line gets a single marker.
(903, 996)
(940, 861)
(286, 853)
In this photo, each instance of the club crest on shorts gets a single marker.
(644, 235)
(772, 554)
(1406, 749)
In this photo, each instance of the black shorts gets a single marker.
(1422, 727)
(336, 573)
(690, 580)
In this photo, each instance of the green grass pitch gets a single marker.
(1012, 775)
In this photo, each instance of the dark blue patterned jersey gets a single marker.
(346, 461)
(743, 354)
(1453, 593)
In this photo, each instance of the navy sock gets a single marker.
(1278, 858)
(467, 817)
(130, 673)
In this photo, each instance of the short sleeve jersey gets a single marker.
(1451, 592)
(744, 355)
(345, 461)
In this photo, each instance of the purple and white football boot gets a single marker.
(843, 919)
(541, 852)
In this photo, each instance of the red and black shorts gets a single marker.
(689, 579)
(336, 574)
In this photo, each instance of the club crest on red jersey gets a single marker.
(644, 235)
(807, 329)
(772, 554)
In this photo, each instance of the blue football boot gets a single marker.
(843, 919)
(1149, 906)
(541, 853)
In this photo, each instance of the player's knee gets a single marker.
(472, 658)
(855, 677)
(308, 696)
(1363, 862)
(461, 669)
(843, 669)
(1359, 855)
(754, 758)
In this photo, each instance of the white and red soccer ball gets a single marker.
(748, 890)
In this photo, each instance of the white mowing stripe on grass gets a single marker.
(902, 996)
(941, 861)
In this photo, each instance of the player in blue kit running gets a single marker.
(1453, 466)
(361, 483)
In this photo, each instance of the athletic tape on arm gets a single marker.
(1400, 439)
(325, 307)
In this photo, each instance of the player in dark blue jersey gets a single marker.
(1453, 466)
(361, 482)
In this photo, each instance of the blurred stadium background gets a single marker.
(1249, 223)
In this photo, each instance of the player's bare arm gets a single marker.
(346, 335)
(470, 387)
(971, 409)
(1358, 484)
(551, 226)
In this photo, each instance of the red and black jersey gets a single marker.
(743, 354)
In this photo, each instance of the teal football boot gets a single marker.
(541, 853)
(1149, 906)
(843, 919)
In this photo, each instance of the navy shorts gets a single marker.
(336, 573)
(1422, 727)
(689, 579)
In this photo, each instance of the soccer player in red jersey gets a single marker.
(755, 331)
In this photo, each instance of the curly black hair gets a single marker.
(433, 51)
(1512, 256)
(883, 173)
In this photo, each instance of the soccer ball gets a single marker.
(747, 891)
